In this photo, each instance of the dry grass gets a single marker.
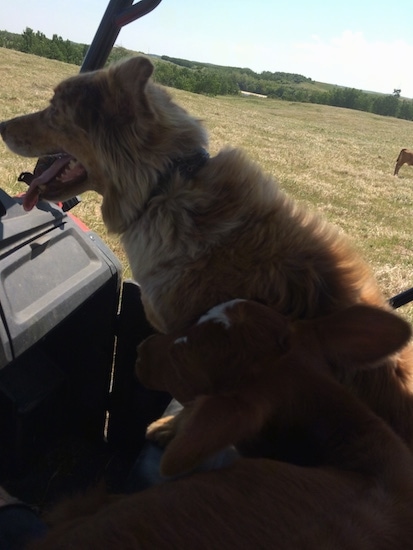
(334, 160)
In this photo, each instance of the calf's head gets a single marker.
(242, 360)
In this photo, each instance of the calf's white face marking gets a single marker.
(217, 314)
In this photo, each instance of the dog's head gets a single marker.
(113, 131)
(231, 365)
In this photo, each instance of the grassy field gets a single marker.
(334, 160)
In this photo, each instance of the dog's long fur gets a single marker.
(227, 232)
(359, 498)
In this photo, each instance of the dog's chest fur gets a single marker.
(232, 233)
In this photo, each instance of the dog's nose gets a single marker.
(2, 128)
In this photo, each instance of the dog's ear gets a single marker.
(212, 423)
(362, 335)
(133, 74)
(128, 103)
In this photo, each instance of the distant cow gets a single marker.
(405, 157)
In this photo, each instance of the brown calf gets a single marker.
(360, 497)
(224, 367)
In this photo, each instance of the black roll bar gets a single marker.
(401, 299)
(118, 14)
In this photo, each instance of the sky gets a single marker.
(363, 44)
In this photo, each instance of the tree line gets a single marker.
(37, 43)
(218, 80)
(205, 78)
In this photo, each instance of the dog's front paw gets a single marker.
(162, 431)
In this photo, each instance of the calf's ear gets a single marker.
(362, 334)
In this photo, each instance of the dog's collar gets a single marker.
(188, 166)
